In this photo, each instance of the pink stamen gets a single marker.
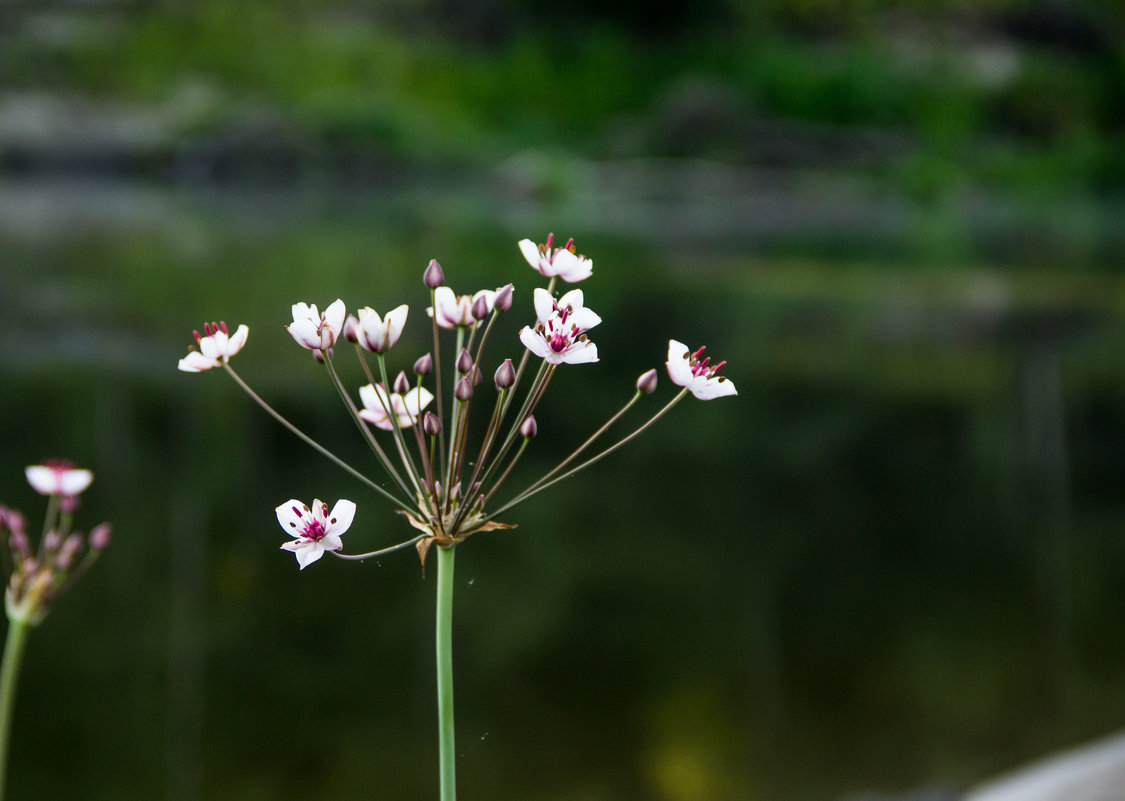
(698, 353)
(550, 241)
(718, 367)
(223, 323)
(569, 245)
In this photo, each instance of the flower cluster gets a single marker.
(38, 576)
(439, 480)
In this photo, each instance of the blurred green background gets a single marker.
(896, 561)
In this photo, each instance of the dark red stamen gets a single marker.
(698, 353)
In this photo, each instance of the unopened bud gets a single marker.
(431, 424)
(51, 541)
(464, 389)
(424, 365)
(529, 429)
(455, 493)
(647, 382)
(68, 551)
(433, 277)
(479, 309)
(99, 537)
(351, 328)
(402, 384)
(21, 546)
(475, 376)
(464, 361)
(505, 375)
(503, 300)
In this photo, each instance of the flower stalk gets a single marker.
(9, 677)
(443, 649)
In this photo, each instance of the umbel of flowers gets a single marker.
(444, 482)
(38, 574)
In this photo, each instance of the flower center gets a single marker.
(314, 531)
(703, 368)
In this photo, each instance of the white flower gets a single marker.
(562, 262)
(314, 330)
(58, 477)
(406, 407)
(379, 334)
(457, 310)
(316, 530)
(686, 370)
(560, 335)
(214, 349)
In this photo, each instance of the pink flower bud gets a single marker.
(463, 390)
(647, 382)
(503, 300)
(51, 541)
(401, 384)
(100, 536)
(433, 277)
(351, 328)
(68, 551)
(431, 424)
(424, 365)
(479, 309)
(475, 376)
(464, 361)
(529, 429)
(505, 375)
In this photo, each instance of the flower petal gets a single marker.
(340, 519)
(535, 343)
(583, 319)
(580, 353)
(679, 364)
(293, 516)
(530, 253)
(43, 480)
(72, 482)
(395, 321)
(544, 304)
(714, 388)
(238, 341)
(305, 332)
(196, 362)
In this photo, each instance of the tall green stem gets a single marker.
(9, 673)
(444, 650)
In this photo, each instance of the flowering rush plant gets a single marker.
(39, 575)
(443, 481)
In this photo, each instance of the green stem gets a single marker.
(9, 673)
(444, 651)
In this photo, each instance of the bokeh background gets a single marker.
(894, 564)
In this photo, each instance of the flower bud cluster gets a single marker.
(36, 577)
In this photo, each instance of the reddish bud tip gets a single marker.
(463, 390)
(402, 383)
(464, 361)
(431, 424)
(505, 375)
(529, 429)
(424, 365)
(99, 537)
(647, 382)
(503, 300)
(433, 277)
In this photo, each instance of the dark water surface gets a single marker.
(895, 560)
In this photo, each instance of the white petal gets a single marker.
(72, 482)
(679, 364)
(212, 346)
(530, 253)
(377, 417)
(395, 322)
(237, 342)
(535, 343)
(331, 542)
(544, 304)
(334, 317)
(713, 388)
(580, 353)
(303, 311)
(340, 518)
(573, 269)
(416, 400)
(445, 306)
(305, 333)
(43, 480)
(309, 554)
(584, 319)
(573, 299)
(293, 517)
(196, 362)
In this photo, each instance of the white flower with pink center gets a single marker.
(315, 529)
(379, 334)
(696, 374)
(455, 310)
(58, 477)
(215, 348)
(314, 330)
(551, 261)
(378, 406)
(560, 335)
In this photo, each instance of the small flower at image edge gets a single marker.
(215, 348)
(315, 529)
(562, 262)
(58, 477)
(316, 331)
(699, 376)
(406, 408)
